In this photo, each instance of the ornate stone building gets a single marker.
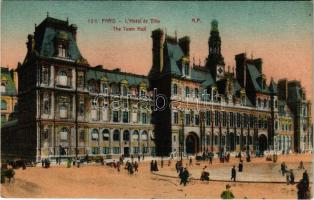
(8, 94)
(69, 108)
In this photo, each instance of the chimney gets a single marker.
(282, 88)
(184, 43)
(158, 36)
(30, 44)
(74, 30)
(240, 68)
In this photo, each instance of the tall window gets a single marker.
(208, 118)
(144, 118)
(64, 134)
(126, 135)
(125, 117)
(187, 119)
(82, 135)
(175, 118)
(197, 119)
(45, 75)
(63, 78)
(116, 135)
(224, 118)
(196, 92)
(115, 116)
(187, 91)
(175, 89)
(186, 70)
(124, 90)
(95, 134)
(61, 51)
(105, 135)
(231, 119)
(80, 79)
(216, 118)
(144, 136)
(135, 136)
(63, 111)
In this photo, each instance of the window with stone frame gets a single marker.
(92, 86)
(144, 118)
(46, 103)
(196, 119)
(64, 134)
(105, 135)
(115, 116)
(175, 118)
(82, 136)
(45, 75)
(175, 89)
(80, 79)
(81, 106)
(45, 134)
(63, 78)
(4, 105)
(62, 50)
(125, 117)
(64, 107)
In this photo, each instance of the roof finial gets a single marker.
(47, 14)
(175, 34)
(67, 19)
(35, 25)
(193, 61)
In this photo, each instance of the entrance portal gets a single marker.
(262, 143)
(191, 143)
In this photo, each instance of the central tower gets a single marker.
(215, 61)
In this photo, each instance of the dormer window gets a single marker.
(175, 89)
(186, 70)
(61, 51)
(2, 88)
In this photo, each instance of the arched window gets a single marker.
(135, 135)
(105, 135)
(64, 134)
(115, 89)
(95, 134)
(175, 89)
(4, 105)
(63, 78)
(116, 135)
(126, 135)
(144, 136)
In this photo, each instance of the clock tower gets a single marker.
(215, 61)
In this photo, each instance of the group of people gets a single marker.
(45, 163)
(153, 166)
(132, 167)
(289, 173)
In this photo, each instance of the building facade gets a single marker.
(8, 94)
(69, 108)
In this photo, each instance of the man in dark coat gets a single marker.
(155, 166)
(233, 173)
(241, 166)
(184, 175)
(152, 166)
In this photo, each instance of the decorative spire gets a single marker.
(47, 14)
(175, 34)
(214, 25)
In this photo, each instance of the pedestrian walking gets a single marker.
(162, 163)
(301, 166)
(139, 158)
(291, 177)
(233, 173)
(303, 187)
(190, 163)
(283, 168)
(184, 175)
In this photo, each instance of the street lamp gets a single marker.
(181, 134)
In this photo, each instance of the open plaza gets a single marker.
(259, 179)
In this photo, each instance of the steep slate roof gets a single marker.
(202, 75)
(10, 89)
(51, 29)
(173, 55)
(115, 76)
(273, 86)
(254, 75)
(294, 93)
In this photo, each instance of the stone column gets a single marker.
(73, 78)
(52, 108)
(121, 142)
(73, 106)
